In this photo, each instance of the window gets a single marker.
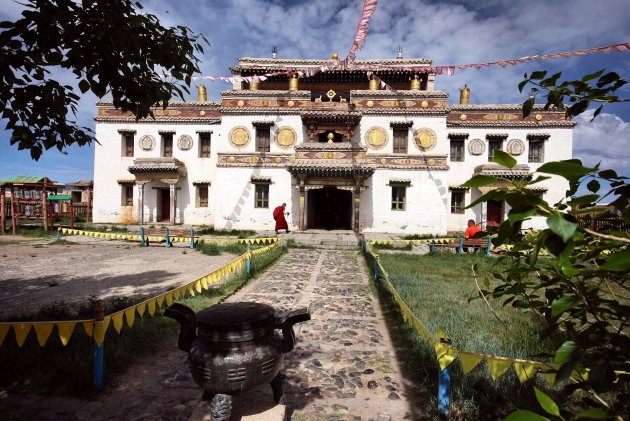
(128, 142)
(202, 196)
(127, 195)
(457, 150)
(493, 145)
(204, 145)
(536, 149)
(261, 195)
(263, 135)
(400, 140)
(167, 145)
(457, 201)
(398, 198)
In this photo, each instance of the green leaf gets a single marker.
(618, 262)
(546, 402)
(523, 415)
(528, 105)
(540, 74)
(559, 225)
(592, 76)
(566, 169)
(503, 158)
(564, 353)
(520, 216)
(582, 200)
(562, 304)
(593, 186)
(480, 181)
(593, 414)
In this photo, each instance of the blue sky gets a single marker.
(448, 32)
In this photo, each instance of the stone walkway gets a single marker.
(342, 368)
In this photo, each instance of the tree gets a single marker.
(576, 279)
(109, 46)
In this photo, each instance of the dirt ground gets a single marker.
(36, 272)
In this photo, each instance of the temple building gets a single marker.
(370, 148)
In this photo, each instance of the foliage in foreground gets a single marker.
(581, 293)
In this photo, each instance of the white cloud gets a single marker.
(605, 140)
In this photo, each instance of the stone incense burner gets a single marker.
(234, 348)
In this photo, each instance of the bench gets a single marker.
(168, 233)
(469, 243)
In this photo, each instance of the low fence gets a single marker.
(603, 223)
(97, 327)
(446, 354)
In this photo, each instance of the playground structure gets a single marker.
(32, 198)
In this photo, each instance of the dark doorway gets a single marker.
(495, 213)
(165, 205)
(324, 137)
(329, 208)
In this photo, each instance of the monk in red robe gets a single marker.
(278, 215)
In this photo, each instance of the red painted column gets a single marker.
(71, 214)
(3, 215)
(13, 215)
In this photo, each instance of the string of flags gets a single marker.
(97, 329)
(369, 6)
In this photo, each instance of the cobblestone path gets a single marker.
(343, 366)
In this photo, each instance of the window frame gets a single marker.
(460, 143)
(263, 145)
(491, 149)
(129, 143)
(458, 207)
(126, 195)
(399, 204)
(200, 203)
(540, 146)
(400, 142)
(167, 138)
(261, 202)
(203, 139)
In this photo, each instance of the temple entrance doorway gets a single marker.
(163, 205)
(329, 208)
(495, 213)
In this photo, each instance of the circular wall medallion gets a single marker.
(240, 103)
(370, 103)
(463, 117)
(239, 137)
(424, 104)
(476, 147)
(231, 160)
(431, 162)
(278, 160)
(185, 142)
(383, 161)
(291, 103)
(425, 139)
(515, 147)
(147, 142)
(376, 137)
(285, 137)
(539, 117)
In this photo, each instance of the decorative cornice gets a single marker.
(244, 93)
(323, 146)
(538, 136)
(175, 120)
(108, 103)
(495, 136)
(434, 112)
(458, 135)
(383, 94)
(260, 110)
(511, 124)
(499, 107)
(402, 124)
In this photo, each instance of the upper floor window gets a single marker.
(401, 135)
(202, 196)
(127, 195)
(204, 145)
(128, 144)
(167, 145)
(536, 149)
(263, 139)
(399, 194)
(457, 150)
(493, 145)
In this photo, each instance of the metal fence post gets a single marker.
(249, 260)
(460, 250)
(168, 240)
(377, 272)
(444, 388)
(192, 238)
(99, 351)
(59, 233)
(142, 237)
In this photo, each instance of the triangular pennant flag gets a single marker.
(88, 327)
(130, 315)
(43, 332)
(204, 282)
(117, 318)
(524, 371)
(190, 290)
(99, 330)
(198, 286)
(160, 300)
(21, 332)
(65, 330)
(141, 307)
(169, 298)
(445, 354)
(469, 361)
(177, 293)
(64, 231)
(4, 328)
(498, 366)
(151, 307)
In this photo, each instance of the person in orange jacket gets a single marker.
(471, 230)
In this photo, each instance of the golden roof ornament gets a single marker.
(335, 56)
(415, 83)
(293, 82)
(464, 95)
(330, 137)
(201, 90)
(373, 84)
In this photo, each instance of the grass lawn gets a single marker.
(437, 289)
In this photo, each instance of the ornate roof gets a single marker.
(279, 64)
(496, 170)
(157, 165)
